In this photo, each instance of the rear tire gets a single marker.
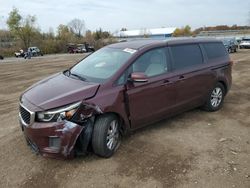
(106, 135)
(215, 99)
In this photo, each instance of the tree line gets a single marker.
(23, 32)
(187, 31)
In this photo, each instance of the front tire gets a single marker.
(106, 135)
(215, 99)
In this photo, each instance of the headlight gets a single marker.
(59, 114)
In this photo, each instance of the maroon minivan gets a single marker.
(119, 88)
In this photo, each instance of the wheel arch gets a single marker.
(224, 85)
(123, 127)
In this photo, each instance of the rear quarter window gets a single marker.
(185, 56)
(215, 50)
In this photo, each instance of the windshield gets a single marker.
(101, 65)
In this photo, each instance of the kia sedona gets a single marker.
(120, 88)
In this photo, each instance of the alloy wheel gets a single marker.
(216, 97)
(112, 135)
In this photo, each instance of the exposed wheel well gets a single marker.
(121, 121)
(80, 142)
(224, 85)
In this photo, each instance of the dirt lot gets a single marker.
(195, 149)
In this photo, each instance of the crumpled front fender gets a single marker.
(68, 134)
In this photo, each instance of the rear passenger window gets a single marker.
(186, 56)
(215, 50)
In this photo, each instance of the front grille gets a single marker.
(25, 115)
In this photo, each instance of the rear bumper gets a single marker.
(54, 140)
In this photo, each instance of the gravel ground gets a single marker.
(194, 149)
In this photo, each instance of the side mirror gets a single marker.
(138, 77)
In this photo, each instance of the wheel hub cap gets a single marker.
(216, 97)
(112, 135)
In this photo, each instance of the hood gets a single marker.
(59, 90)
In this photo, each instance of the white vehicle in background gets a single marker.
(35, 51)
(20, 53)
(245, 43)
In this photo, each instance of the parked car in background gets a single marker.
(71, 48)
(79, 48)
(35, 51)
(1, 57)
(231, 45)
(245, 43)
(20, 53)
(89, 48)
(119, 88)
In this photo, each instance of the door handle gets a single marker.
(181, 77)
(166, 82)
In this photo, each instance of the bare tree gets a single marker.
(77, 26)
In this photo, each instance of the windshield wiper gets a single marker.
(69, 73)
(77, 76)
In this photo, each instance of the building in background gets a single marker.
(157, 33)
(238, 34)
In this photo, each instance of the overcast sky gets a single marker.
(131, 14)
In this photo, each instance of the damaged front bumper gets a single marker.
(56, 140)
(63, 138)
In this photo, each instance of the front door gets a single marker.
(150, 101)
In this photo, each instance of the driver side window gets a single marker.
(151, 63)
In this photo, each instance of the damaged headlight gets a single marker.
(66, 112)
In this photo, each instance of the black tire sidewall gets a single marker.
(99, 137)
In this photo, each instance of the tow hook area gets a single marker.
(32, 146)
